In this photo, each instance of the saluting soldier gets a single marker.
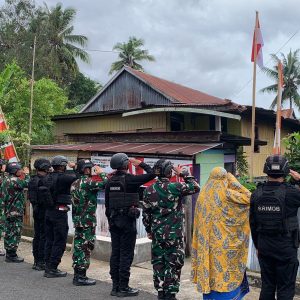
(163, 220)
(275, 229)
(13, 190)
(84, 199)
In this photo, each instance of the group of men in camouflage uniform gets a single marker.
(12, 204)
(162, 216)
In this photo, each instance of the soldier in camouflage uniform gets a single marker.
(84, 198)
(13, 189)
(163, 220)
(2, 216)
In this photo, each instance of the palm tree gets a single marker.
(61, 44)
(291, 78)
(130, 54)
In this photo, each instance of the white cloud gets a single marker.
(204, 44)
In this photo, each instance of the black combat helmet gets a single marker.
(59, 160)
(42, 164)
(163, 168)
(83, 164)
(276, 165)
(119, 161)
(13, 168)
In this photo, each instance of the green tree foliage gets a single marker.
(49, 100)
(292, 143)
(130, 54)
(241, 162)
(291, 77)
(81, 90)
(15, 18)
(57, 46)
(251, 186)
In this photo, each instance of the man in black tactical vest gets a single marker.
(56, 220)
(38, 197)
(275, 230)
(121, 202)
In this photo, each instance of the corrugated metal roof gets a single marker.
(137, 148)
(180, 93)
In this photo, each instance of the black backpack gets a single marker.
(50, 188)
(270, 210)
(33, 186)
(39, 192)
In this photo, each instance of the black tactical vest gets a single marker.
(270, 211)
(33, 190)
(119, 198)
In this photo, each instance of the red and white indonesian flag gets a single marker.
(9, 152)
(2, 124)
(8, 149)
(257, 45)
(276, 148)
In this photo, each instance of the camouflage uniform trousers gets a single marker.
(167, 261)
(84, 243)
(13, 231)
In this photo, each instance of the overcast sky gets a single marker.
(203, 44)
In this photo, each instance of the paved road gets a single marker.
(20, 282)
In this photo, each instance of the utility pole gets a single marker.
(31, 97)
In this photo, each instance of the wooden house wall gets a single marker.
(70, 155)
(196, 122)
(111, 123)
(265, 133)
(234, 127)
(208, 160)
(125, 93)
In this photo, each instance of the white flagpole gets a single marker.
(253, 103)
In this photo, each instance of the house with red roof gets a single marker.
(147, 116)
(151, 118)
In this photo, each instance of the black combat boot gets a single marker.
(53, 272)
(161, 295)
(12, 257)
(34, 265)
(40, 266)
(115, 289)
(80, 278)
(127, 292)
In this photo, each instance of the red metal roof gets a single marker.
(177, 92)
(137, 148)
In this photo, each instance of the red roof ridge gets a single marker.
(178, 93)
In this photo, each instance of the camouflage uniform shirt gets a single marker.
(12, 189)
(162, 207)
(84, 199)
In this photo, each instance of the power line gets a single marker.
(98, 50)
(250, 80)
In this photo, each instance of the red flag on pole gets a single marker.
(9, 152)
(276, 148)
(2, 124)
(257, 45)
(8, 149)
